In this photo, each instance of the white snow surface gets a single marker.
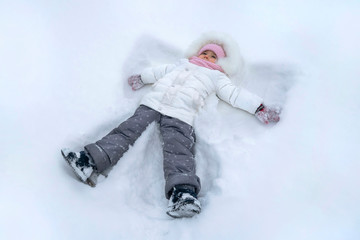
(63, 70)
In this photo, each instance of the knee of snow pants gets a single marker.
(108, 151)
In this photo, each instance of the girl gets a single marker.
(178, 91)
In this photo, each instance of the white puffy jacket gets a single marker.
(180, 89)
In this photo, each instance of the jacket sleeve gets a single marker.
(152, 74)
(237, 96)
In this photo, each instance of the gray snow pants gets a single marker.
(178, 146)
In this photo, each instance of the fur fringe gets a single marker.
(232, 63)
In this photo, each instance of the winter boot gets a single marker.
(183, 202)
(82, 165)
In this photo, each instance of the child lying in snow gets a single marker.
(178, 91)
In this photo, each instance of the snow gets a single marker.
(63, 69)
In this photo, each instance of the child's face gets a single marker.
(208, 55)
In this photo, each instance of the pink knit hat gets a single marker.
(217, 49)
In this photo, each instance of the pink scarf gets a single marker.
(203, 63)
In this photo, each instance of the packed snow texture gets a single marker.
(63, 71)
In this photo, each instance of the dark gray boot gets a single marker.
(82, 166)
(183, 202)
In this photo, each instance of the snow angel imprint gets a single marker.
(179, 90)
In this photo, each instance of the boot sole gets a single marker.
(89, 181)
(186, 210)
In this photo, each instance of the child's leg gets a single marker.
(108, 151)
(178, 150)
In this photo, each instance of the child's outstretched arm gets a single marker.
(236, 96)
(241, 98)
(149, 76)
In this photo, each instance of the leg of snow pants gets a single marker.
(108, 151)
(178, 150)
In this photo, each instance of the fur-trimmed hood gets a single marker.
(232, 63)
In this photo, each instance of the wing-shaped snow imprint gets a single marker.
(147, 52)
(271, 81)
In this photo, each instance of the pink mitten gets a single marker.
(135, 82)
(268, 114)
